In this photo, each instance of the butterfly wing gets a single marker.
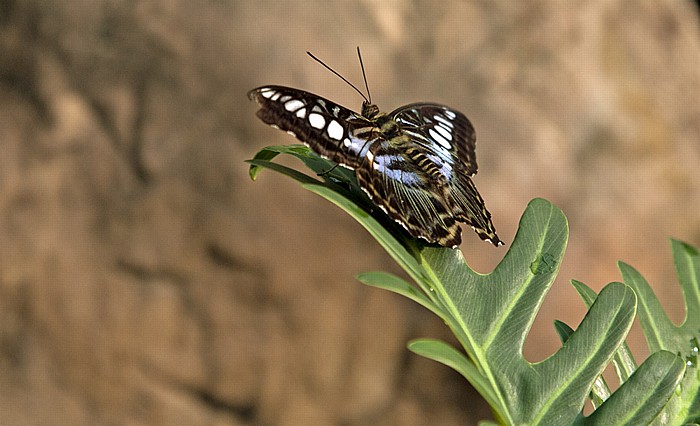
(447, 139)
(331, 130)
(444, 132)
(414, 196)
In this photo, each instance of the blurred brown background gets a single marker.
(145, 280)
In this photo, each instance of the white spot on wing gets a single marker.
(335, 130)
(275, 96)
(291, 133)
(451, 115)
(285, 98)
(301, 113)
(293, 105)
(443, 121)
(444, 132)
(347, 142)
(317, 121)
(267, 93)
(439, 139)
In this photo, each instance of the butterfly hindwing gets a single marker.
(409, 188)
(469, 208)
(442, 131)
(449, 141)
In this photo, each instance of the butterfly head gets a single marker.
(369, 110)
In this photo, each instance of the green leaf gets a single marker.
(397, 285)
(298, 176)
(687, 261)
(441, 352)
(264, 156)
(573, 369)
(662, 334)
(340, 179)
(624, 361)
(301, 152)
(491, 314)
(640, 399)
(600, 391)
(563, 330)
(658, 329)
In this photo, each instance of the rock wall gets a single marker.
(144, 279)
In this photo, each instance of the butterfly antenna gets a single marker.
(341, 77)
(364, 76)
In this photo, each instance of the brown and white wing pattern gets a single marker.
(448, 140)
(324, 126)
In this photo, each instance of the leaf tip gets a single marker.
(685, 247)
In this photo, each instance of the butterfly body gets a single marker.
(414, 163)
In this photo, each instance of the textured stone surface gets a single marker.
(144, 279)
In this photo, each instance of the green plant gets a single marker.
(491, 315)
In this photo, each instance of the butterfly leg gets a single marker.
(327, 171)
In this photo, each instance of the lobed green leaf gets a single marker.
(491, 314)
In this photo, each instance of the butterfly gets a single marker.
(415, 163)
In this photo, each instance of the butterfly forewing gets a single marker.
(332, 131)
